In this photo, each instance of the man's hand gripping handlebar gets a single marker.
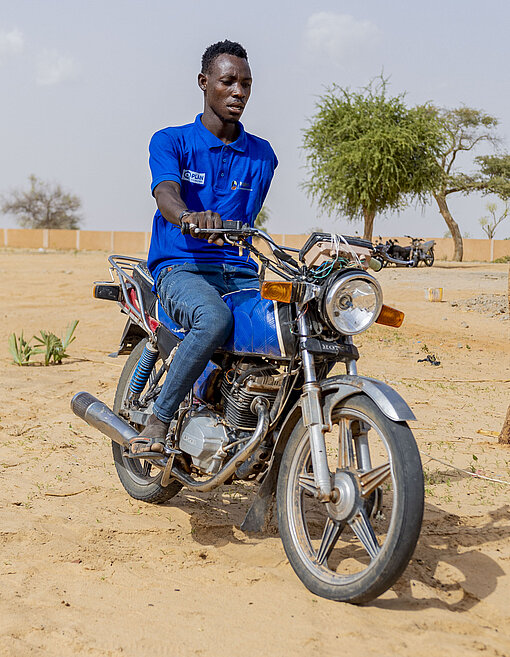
(213, 228)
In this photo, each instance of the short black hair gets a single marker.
(225, 47)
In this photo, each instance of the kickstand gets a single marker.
(167, 472)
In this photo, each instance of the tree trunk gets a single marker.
(504, 436)
(458, 251)
(369, 224)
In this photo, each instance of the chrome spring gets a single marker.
(143, 369)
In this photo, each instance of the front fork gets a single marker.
(313, 418)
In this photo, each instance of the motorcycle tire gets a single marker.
(353, 550)
(429, 259)
(141, 479)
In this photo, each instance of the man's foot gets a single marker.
(151, 439)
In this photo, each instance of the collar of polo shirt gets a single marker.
(212, 141)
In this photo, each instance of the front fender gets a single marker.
(333, 390)
(345, 385)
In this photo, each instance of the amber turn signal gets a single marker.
(277, 291)
(390, 317)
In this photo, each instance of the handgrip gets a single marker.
(227, 225)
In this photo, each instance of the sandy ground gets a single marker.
(85, 570)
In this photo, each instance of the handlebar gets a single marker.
(237, 231)
(229, 227)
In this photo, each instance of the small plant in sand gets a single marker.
(20, 349)
(53, 347)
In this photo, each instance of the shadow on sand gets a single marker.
(449, 570)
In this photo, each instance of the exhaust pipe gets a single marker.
(98, 415)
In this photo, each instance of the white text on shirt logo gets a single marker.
(193, 177)
(239, 184)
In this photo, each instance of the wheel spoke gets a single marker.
(374, 478)
(345, 452)
(361, 526)
(332, 531)
(147, 465)
(307, 482)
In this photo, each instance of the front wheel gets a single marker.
(429, 259)
(141, 479)
(356, 548)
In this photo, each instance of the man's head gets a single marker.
(225, 80)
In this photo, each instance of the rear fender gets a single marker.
(131, 336)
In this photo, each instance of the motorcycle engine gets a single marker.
(203, 437)
(239, 388)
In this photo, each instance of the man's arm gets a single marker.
(170, 204)
(169, 201)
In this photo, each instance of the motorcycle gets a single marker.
(406, 256)
(334, 449)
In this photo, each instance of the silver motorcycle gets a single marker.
(272, 407)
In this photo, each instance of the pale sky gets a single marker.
(85, 83)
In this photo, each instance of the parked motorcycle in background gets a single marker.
(405, 256)
(335, 448)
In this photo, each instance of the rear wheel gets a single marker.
(356, 548)
(141, 479)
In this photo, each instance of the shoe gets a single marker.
(151, 439)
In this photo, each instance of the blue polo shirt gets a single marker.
(232, 180)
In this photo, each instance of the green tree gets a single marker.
(463, 128)
(368, 153)
(43, 205)
(493, 176)
(262, 218)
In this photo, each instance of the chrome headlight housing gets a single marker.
(352, 302)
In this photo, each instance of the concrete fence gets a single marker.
(130, 242)
(79, 240)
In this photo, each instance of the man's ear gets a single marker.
(202, 81)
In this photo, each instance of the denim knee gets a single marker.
(217, 321)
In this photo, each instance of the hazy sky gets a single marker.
(85, 83)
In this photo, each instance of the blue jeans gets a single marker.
(191, 295)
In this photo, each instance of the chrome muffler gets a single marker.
(98, 415)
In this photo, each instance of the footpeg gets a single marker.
(145, 456)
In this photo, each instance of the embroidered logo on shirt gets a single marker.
(239, 184)
(193, 177)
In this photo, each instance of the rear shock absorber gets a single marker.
(143, 369)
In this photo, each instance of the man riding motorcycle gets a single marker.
(202, 173)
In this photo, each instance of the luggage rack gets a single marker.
(124, 267)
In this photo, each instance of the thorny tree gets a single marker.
(368, 153)
(464, 128)
(43, 205)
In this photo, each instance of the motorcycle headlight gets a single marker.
(352, 302)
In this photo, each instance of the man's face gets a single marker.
(227, 87)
